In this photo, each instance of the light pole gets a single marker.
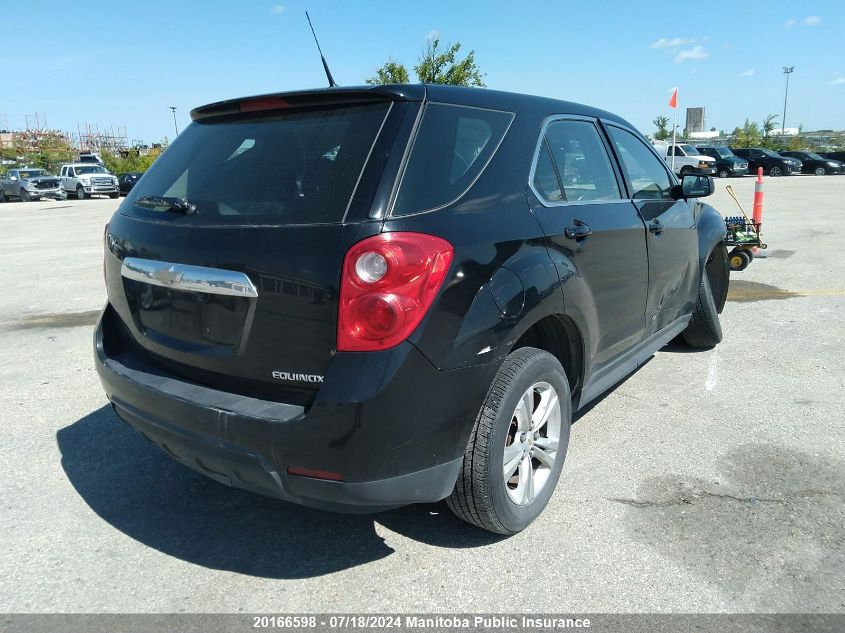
(173, 110)
(787, 70)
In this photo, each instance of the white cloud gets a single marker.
(748, 73)
(811, 20)
(675, 42)
(789, 23)
(837, 82)
(696, 52)
(277, 9)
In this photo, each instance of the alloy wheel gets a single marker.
(531, 443)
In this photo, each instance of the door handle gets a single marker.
(656, 227)
(577, 232)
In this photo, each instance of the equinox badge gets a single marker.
(292, 377)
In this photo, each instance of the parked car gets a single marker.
(410, 301)
(815, 164)
(772, 163)
(688, 160)
(30, 184)
(727, 163)
(840, 156)
(86, 179)
(127, 181)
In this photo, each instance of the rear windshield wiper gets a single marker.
(167, 202)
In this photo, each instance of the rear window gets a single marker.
(300, 167)
(452, 147)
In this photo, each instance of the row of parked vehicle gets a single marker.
(82, 180)
(727, 162)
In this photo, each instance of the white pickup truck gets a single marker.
(688, 160)
(87, 179)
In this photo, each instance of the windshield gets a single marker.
(816, 156)
(33, 173)
(293, 168)
(724, 152)
(689, 150)
(90, 169)
(769, 152)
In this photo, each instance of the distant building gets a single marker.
(704, 135)
(695, 120)
(790, 131)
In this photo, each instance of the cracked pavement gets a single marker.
(705, 482)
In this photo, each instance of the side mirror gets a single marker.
(694, 186)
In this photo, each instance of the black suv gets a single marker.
(727, 163)
(359, 298)
(772, 163)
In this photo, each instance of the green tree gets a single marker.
(436, 65)
(439, 66)
(391, 73)
(770, 124)
(133, 161)
(662, 125)
(748, 135)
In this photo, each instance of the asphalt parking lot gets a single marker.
(708, 481)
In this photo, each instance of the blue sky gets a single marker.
(144, 56)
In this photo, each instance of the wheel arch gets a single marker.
(559, 336)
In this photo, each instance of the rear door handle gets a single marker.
(656, 227)
(577, 232)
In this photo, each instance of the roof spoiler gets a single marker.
(309, 98)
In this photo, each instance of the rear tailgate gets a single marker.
(242, 293)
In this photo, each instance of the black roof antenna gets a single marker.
(332, 83)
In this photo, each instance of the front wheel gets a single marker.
(25, 197)
(775, 171)
(114, 195)
(516, 450)
(80, 193)
(820, 171)
(705, 330)
(724, 173)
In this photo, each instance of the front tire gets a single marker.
(820, 171)
(775, 171)
(114, 195)
(705, 330)
(80, 193)
(517, 447)
(25, 197)
(724, 173)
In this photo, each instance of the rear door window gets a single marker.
(297, 167)
(453, 146)
(580, 158)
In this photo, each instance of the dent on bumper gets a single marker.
(388, 455)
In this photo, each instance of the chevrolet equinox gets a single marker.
(359, 298)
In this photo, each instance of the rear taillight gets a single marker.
(388, 283)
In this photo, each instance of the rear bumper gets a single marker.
(374, 425)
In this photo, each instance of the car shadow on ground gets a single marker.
(142, 492)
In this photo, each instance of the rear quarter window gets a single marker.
(452, 147)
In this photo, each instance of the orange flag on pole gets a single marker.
(673, 102)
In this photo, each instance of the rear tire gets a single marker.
(2, 195)
(483, 495)
(704, 330)
(80, 193)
